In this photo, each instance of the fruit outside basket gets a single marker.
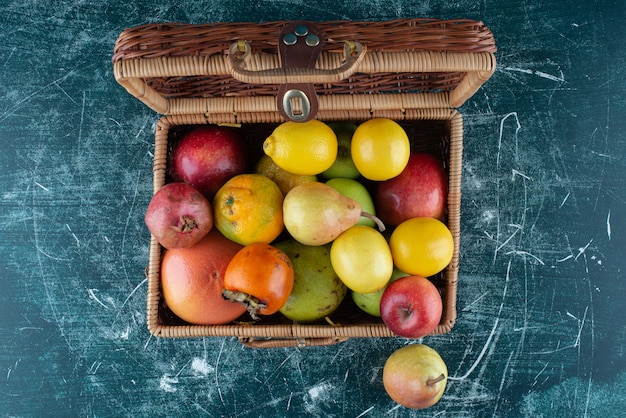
(414, 71)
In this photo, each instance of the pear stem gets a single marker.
(435, 380)
(377, 221)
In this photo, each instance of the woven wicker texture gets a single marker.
(184, 40)
(161, 62)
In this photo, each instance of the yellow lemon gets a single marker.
(421, 246)
(380, 149)
(303, 148)
(361, 258)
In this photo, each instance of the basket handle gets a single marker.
(299, 46)
(239, 53)
(253, 342)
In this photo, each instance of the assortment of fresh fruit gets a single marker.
(275, 239)
(284, 200)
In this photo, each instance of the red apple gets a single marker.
(421, 190)
(208, 156)
(415, 376)
(411, 307)
(178, 215)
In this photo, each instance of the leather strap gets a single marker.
(299, 46)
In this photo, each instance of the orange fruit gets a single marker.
(261, 277)
(248, 208)
(192, 280)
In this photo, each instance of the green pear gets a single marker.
(343, 166)
(317, 291)
(370, 302)
(316, 214)
(355, 190)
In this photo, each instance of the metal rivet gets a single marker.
(301, 30)
(290, 39)
(312, 40)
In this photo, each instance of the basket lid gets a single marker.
(240, 69)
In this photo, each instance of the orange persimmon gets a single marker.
(260, 277)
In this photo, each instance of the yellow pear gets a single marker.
(315, 213)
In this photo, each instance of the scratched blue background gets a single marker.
(540, 330)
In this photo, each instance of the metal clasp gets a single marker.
(296, 105)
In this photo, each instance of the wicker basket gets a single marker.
(415, 71)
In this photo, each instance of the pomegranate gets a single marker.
(179, 215)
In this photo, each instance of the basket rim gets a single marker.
(290, 332)
(462, 35)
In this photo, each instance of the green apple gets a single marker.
(317, 290)
(370, 302)
(415, 376)
(355, 190)
(343, 166)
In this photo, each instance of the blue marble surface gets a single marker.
(540, 329)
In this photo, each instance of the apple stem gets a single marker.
(377, 221)
(437, 379)
(185, 225)
(252, 304)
